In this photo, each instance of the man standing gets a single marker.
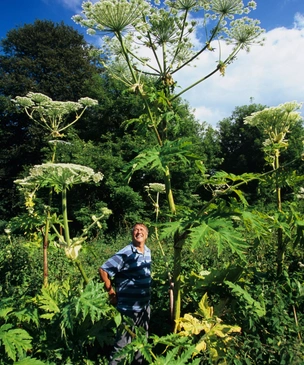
(129, 270)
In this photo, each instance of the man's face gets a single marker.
(139, 234)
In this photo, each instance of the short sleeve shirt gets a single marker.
(131, 270)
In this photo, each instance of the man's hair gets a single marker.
(141, 224)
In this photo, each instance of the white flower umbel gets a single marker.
(112, 16)
(160, 38)
(275, 122)
(59, 176)
(50, 114)
(156, 187)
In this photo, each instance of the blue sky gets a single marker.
(268, 75)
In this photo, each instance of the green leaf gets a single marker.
(178, 357)
(92, 302)
(48, 301)
(240, 194)
(16, 341)
(5, 311)
(168, 230)
(299, 233)
(29, 361)
(161, 157)
(68, 318)
(204, 309)
(28, 314)
(144, 159)
(252, 304)
(256, 223)
(220, 232)
(216, 276)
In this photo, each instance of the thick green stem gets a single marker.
(281, 246)
(228, 59)
(280, 252)
(176, 280)
(67, 232)
(47, 229)
(82, 272)
(135, 80)
(169, 192)
(45, 250)
(177, 285)
(65, 216)
(278, 188)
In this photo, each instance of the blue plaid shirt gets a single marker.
(131, 271)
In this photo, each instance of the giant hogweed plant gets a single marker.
(276, 123)
(51, 116)
(150, 43)
(62, 177)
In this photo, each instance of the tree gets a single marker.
(240, 144)
(45, 57)
(164, 34)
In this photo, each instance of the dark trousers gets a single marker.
(140, 319)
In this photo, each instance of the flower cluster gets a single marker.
(59, 176)
(113, 16)
(275, 122)
(51, 114)
(244, 32)
(156, 187)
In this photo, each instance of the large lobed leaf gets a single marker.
(220, 232)
(16, 341)
(252, 305)
(92, 302)
(48, 301)
(161, 157)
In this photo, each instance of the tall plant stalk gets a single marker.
(275, 123)
(163, 33)
(64, 204)
(51, 116)
(47, 227)
(281, 247)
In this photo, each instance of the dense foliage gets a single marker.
(233, 242)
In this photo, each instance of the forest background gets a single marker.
(227, 271)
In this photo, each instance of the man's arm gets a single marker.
(104, 276)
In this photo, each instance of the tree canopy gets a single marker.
(46, 57)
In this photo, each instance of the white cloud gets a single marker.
(299, 21)
(270, 75)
